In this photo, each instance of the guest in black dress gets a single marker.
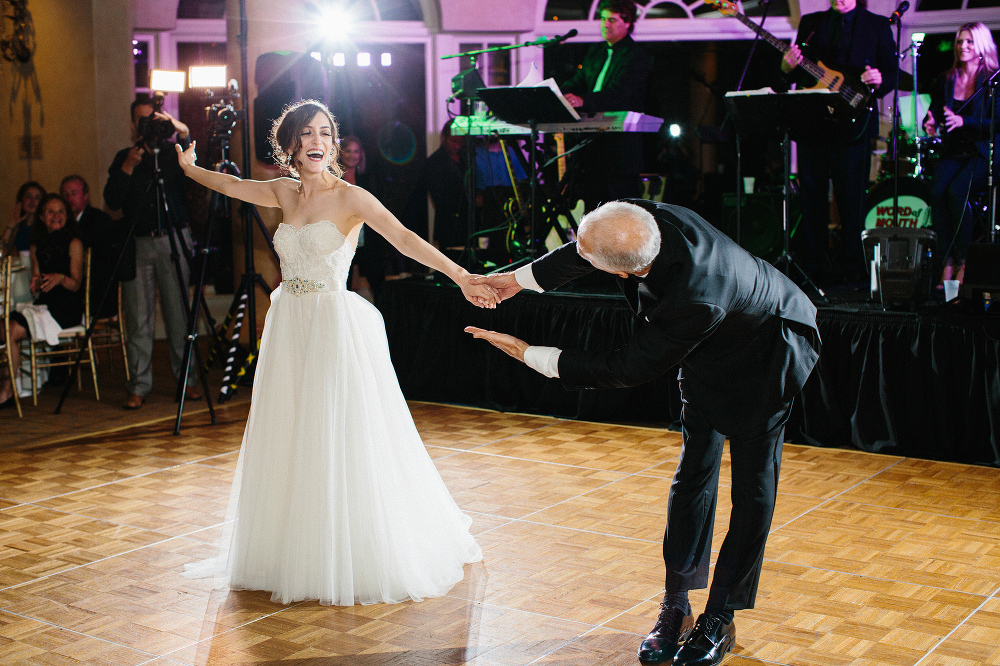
(57, 276)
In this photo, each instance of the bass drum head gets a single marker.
(914, 204)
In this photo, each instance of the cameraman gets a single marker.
(132, 189)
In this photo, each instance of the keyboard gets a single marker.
(605, 121)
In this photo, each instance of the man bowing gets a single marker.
(746, 340)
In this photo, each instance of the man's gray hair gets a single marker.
(627, 236)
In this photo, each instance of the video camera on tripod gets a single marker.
(222, 118)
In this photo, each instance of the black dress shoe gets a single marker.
(671, 629)
(711, 639)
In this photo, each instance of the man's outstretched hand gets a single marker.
(505, 343)
(504, 284)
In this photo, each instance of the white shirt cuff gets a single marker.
(526, 278)
(544, 360)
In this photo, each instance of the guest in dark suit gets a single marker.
(850, 39)
(612, 78)
(103, 236)
(746, 340)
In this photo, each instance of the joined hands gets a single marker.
(504, 285)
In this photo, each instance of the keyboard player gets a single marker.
(612, 77)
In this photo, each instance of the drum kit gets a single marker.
(915, 159)
(916, 163)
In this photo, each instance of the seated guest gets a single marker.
(22, 216)
(101, 234)
(17, 236)
(57, 275)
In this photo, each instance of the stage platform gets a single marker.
(920, 383)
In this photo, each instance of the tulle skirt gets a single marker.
(335, 496)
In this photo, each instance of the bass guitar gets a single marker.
(857, 97)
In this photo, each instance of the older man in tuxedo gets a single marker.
(745, 338)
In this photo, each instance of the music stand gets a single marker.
(529, 106)
(780, 115)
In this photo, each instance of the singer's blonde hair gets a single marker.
(985, 47)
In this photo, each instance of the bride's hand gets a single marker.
(187, 157)
(481, 295)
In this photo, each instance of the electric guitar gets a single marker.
(857, 96)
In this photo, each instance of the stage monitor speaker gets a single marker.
(982, 272)
(282, 77)
(761, 232)
(901, 260)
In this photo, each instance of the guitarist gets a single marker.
(850, 39)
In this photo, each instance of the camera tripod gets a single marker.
(177, 247)
(243, 306)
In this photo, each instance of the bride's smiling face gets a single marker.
(316, 150)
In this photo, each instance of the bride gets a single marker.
(335, 497)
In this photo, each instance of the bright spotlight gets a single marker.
(364, 59)
(339, 59)
(163, 80)
(333, 22)
(207, 77)
(918, 38)
(675, 130)
(316, 55)
(386, 59)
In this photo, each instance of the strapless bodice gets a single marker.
(316, 257)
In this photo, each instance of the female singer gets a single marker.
(959, 112)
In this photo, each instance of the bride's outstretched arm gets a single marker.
(375, 215)
(257, 192)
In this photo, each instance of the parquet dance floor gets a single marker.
(872, 560)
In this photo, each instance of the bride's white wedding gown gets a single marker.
(335, 497)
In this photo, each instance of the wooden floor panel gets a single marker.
(873, 559)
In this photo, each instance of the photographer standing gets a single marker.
(131, 187)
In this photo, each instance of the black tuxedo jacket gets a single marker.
(872, 44)
(744, 335)
(624, 89)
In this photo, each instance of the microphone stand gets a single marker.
(766, 4)
(895, 121)
(991, 181)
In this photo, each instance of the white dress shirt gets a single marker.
(540, 359)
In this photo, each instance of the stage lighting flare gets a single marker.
(675, 130)
(334, 22)
(386, 59)
(164, 80)
(364, 59)
(207, 76)
(339, 59)
(317, 56)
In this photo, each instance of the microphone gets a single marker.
(562, 38)
(898, 14)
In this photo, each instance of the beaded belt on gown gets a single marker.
(298, 286)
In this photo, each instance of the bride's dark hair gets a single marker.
(286, 134)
